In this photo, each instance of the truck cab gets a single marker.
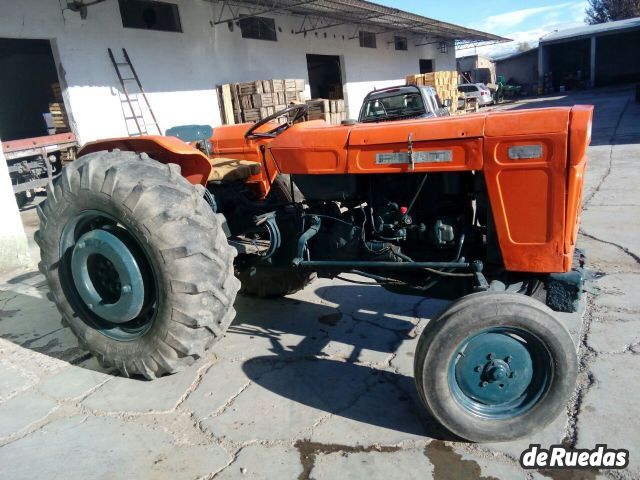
(400, 103)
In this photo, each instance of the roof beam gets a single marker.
(272, 9)
(323, 14)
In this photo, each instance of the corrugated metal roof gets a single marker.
(588, 30)
(511, 55)
(321, 14)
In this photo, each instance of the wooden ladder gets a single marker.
(138, 98)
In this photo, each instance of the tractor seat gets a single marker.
(232, 170)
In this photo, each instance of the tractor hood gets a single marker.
(490, 124)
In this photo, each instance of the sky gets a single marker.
(522, 21)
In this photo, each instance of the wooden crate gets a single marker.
(59, 117)
(264, 100)
(226, 104)
(445, 83)
(249, 88)
(246, 101)
(252, 101)
(336, 106)
(57, 92)
(290, 97)
(331, 111)
(277, 85)
(251, 115)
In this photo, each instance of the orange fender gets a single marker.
(194, 164)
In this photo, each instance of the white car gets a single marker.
(477, 90)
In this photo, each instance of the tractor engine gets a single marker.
(390, 217)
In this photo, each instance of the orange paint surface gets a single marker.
(527, 198)
(535, 198)
(194, 164)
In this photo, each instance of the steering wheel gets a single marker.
(294, 112)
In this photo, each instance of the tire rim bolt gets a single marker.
(490, 356)
(484, 384)
(478, 368)
(80, 245)
(508, 359)
(126, 289)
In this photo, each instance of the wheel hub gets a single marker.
(496, 370)
(493, 369)
(107, 276)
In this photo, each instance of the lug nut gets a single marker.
(80, 245)
(508, 359)
(484, 384)
(126, 289)
(478, 368)
(490, 356)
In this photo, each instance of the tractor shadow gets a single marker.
(29, 320)
(344, 359)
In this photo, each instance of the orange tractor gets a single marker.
(146, 241)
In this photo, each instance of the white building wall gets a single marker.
(179, 71)
(14, 248)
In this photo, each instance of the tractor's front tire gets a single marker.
(137, 262)
(495, 367)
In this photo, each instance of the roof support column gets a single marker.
(592, 64)
(541, 68)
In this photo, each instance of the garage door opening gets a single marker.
(29, 73)
(325, 76)
(570, 64)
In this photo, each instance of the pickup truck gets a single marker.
(403, 102)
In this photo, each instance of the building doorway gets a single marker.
(26, 88)
(426, 65)
(325, 76)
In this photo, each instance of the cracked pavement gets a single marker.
(319, 384)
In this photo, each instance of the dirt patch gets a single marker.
(7, 313)
(577, 474)
(448, 464)
(309, 451)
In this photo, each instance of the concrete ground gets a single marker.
(319, 384)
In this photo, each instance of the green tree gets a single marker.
(601, 11)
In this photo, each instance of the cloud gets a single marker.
(548, 14)
(543, 21)
(516, 17)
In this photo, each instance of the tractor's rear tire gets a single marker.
(276, 282)
(137, 262)
(495, 367)
(281, 192)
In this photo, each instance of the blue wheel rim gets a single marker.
(107, 277)
(500, 373)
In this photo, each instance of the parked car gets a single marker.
(406, 101)
(477, 90)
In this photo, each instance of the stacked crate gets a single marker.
(331, 111)
(58, 111)
(253, 101)
(445, 83)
